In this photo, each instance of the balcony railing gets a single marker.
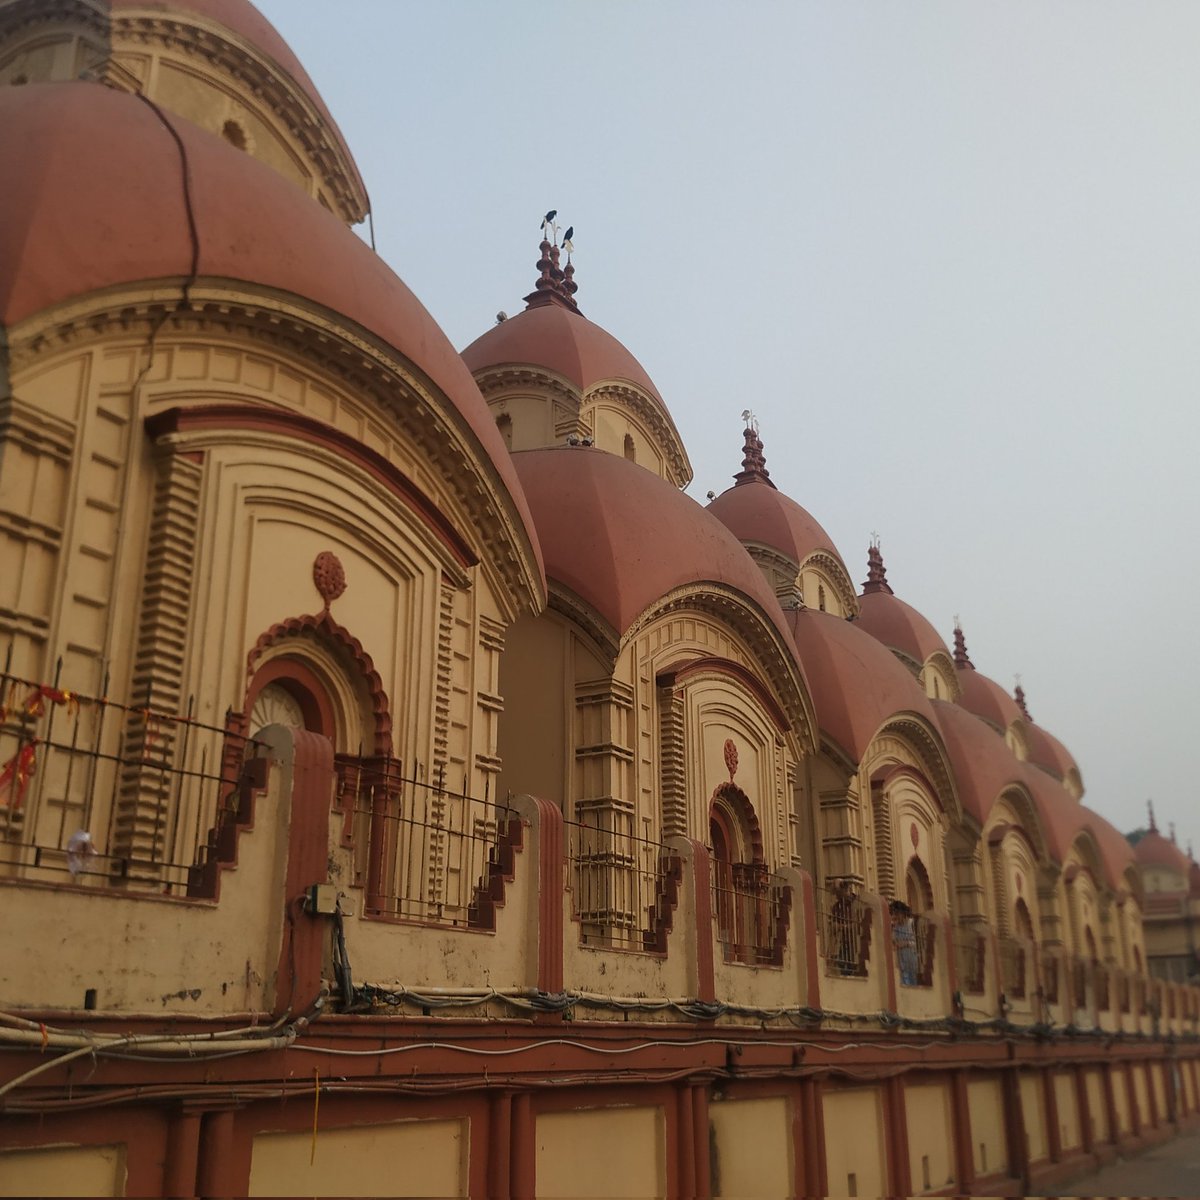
(422, 851)
(1013, 960)
(100, 792)
(624, 888)
(752, 909)
(970, 949)
(844, 929)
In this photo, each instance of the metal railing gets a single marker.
(422, 851)
(623, 887)
(1013, 959)
(95, 790)
(914, 939)
(970, 950)
(752, 909)
(844, 930)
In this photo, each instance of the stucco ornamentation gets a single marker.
(731, 758)
(329, 576)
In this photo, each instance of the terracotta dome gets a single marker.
(1115, 852)
(561, 340)
(1154, 850)
(983, 764)
(986, 698)
(754, 510)
(621, 538)
(1049, 753)
(857, 685)
(899, 626)
(92, 198)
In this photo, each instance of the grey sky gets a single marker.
(947, 252)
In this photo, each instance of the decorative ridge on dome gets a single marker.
(1150, 810)
(1019, 697)
(555, 284)
(962, 660)
(876, 571)
(754, 462)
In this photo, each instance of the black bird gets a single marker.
(569, 234)
(549, 217)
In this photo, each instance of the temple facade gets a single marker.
(406, 789)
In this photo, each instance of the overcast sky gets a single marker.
(947, 252)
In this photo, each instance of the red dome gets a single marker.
(758, 512)
(249, 25)
(1154, 850)
(562, 341)
(1049, 753)
(92, 198)
(899, 626)
(983, 764)
(856, 684)
(621, 538)
(987, 699)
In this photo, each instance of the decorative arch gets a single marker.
(927, 745)
(731, 813)
(322, 628)
(918, 890)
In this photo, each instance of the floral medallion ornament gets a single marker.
(731, 758)
(914, 833)
(329, 576)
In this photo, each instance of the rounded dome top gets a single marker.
(558, 339)
(92, 198)
(857, 685)
(621, 538)
(983, 764)
(1154, 850)
(1049, 753)
(986, 698)
(755, 510)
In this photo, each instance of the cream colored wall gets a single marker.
(855, 1166)
(985, 1103)
(1033, 1112)
(752, 1147)
(601, 1152)
(1097, 1108)
(1121, 1102)
(1067, 1102)
(535, 418)
(63, 1171)
(930, 1135)
(610, 426)
(406, 1158)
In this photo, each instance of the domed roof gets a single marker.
(1115, 852)
(92, 198)
(857, 684)
(755, 510)
(983, 764)
(621, 538)
(888, 619)
(562, 340)
(1154, 850)
(1048, 752)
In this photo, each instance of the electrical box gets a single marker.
(321, 899)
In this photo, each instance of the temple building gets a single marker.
(406, 789)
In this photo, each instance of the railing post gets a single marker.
(697, 877)
(545, 822)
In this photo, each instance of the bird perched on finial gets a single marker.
(549, 228)
(567, 244)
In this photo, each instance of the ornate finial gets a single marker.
(962, 660)
(1019, 697)
(329, 576)
(1150, 810)
(754, 462)
(555, 284)
(876, 571)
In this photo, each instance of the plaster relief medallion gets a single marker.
(914, 833)
(731, 758)
(329, 576)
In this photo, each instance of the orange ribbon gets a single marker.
(14, 778)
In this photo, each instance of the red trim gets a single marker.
(706, 988)
(305, 687)
(895, 1125)
(964, 1145)
(195, 418)
(670, 676)
(324, 626)
(218, 1175)
(700, 1139)
(183, 1153)
(809, 919)
(499, 1153)
(1053, 1129)
(686, 1138)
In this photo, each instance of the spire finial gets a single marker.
(1019, 697)
(876, 571)
(754, 462)
(1150, 810)
(1171, 827)
(555, 285)
(962, 660)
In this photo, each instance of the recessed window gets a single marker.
(505, 425)
(821, 596)
(630, 448)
